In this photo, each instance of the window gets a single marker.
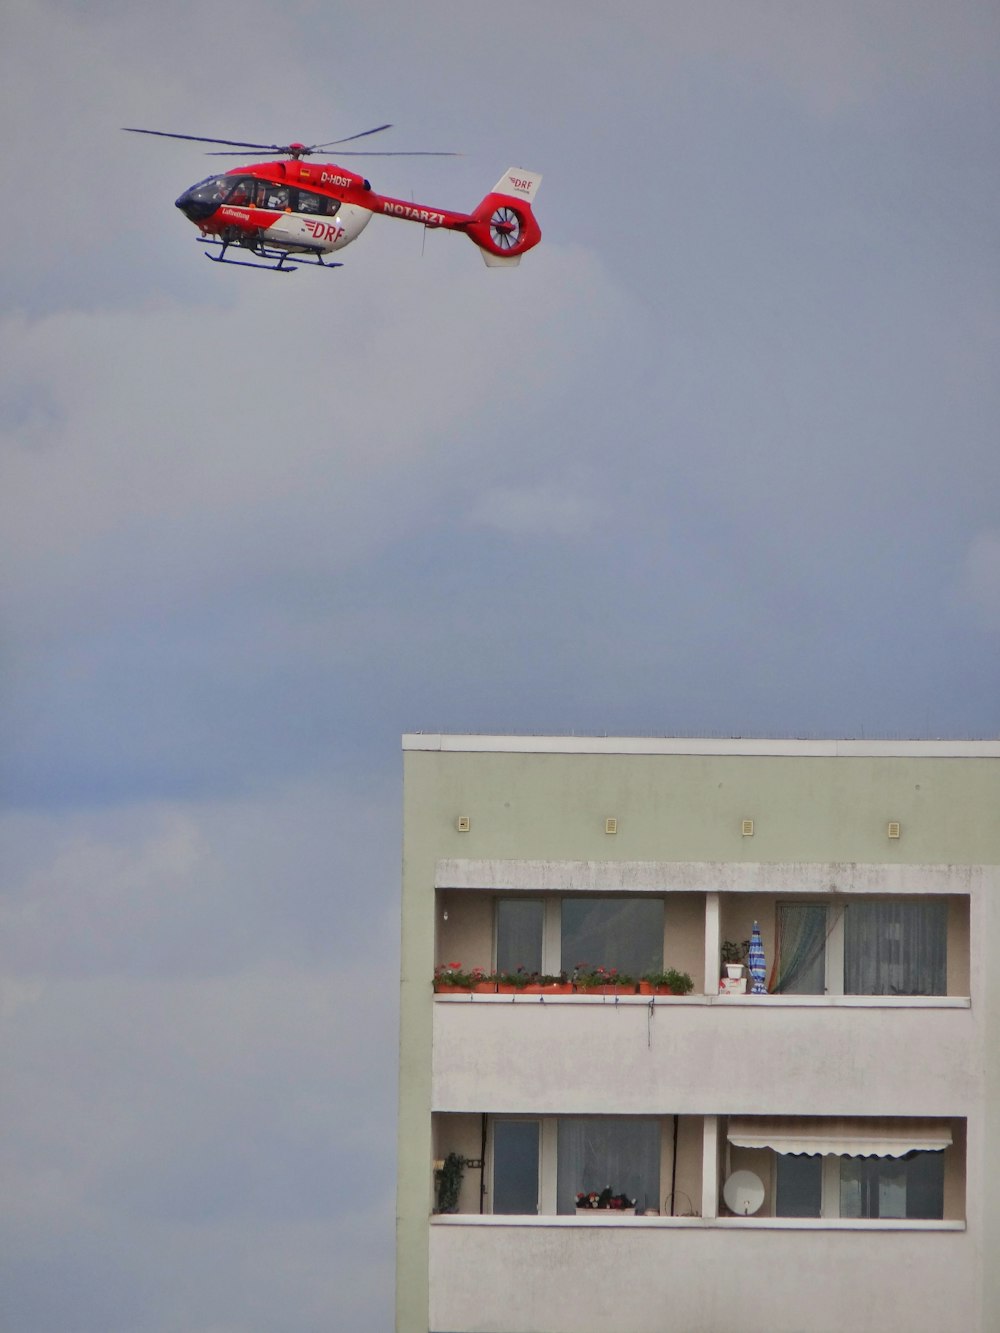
(868, 946)
(620, 932)
(798, 1185)
(308, 202)
(802, 937)
(274, 197)
(519, 934)
(624, 933)
(895, 947)
(853, 1167)
(515, 1166)
(597, 1151)
(860, 1187)
(911, 1186)
(541, 1164)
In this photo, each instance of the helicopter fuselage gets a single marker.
(305, 208)
(298, 206)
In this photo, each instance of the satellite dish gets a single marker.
(743, 1193)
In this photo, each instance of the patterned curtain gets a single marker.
(800, 962)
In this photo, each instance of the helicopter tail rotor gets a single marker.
(503, 226)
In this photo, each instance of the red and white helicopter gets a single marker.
(293, 211)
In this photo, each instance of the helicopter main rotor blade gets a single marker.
(198, 138)
(350, 138)
(291, 150)
(349, 153)
(361, 153)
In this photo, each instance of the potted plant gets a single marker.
(619, 1205)
(734, 955)
(448, 1179)
(601, 981)
(544, 983)
(513, 983)
(452, 977)
(669, 982)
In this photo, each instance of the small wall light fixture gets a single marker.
(611, 824)
(893, 829)
(747, 828)
(463, 823)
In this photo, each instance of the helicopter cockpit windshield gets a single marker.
(201, 200)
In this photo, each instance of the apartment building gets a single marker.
(821, 1155)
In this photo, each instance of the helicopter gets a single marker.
(293, 212)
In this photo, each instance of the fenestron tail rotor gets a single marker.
(505, 228)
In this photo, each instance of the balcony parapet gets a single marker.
(725, 1001)
(837, 1054)
(701, 1223)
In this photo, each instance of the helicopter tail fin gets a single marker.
(503, 226)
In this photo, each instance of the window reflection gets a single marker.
(622, 933)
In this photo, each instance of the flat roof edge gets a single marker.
(674, 745)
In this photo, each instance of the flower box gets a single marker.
(558, 988)
(606, 989)
(451, 977)
(477, 988)
(648, 988)
(603, 1213)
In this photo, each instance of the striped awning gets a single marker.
(858, 1137)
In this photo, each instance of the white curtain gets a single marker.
(595, 1152)
(895, 946)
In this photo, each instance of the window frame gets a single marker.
(834, 955)
(548, 1158)
(551, 943)
(831, 1179)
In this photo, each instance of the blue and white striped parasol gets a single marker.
(756, 962)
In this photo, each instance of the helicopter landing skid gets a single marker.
(284, 260)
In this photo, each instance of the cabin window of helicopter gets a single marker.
(274, 196)
(315, 203)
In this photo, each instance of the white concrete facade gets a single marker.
(492, 818)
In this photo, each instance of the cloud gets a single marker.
(198, 1036)
(205, 889)
(551, 509)
(200, 1154)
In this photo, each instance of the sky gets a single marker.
(719, 458)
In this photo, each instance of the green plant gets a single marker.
(451, 974)
(448, 1178)
(735, 953)
(679, 982)
(519, 978)
(586, 977)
